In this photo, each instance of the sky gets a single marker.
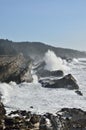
(60, 23)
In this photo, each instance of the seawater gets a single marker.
(25, 95)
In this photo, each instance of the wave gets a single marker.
(24, 95)
(53, 62)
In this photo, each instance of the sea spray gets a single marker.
(53, 62)
(5, 90)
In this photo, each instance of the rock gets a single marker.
(44, 124)
(2, 110)
(72, 119)
(31, 107)
(54, 124)
(22, 113)
(65, 119)
(72, 113)
(79, 92)
(9, 121)
(2, 115)
(69, 60)
(15, 68)
(67, 81)
(46, 73)
(42, 72)
(34, 119)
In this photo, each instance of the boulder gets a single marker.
(42, 72)
(79, 92)
(72, 113)
(67, 81)
(15, 68)
(72, 119)
(46, 73)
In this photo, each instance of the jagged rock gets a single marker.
(72, 119)
(79, 92)
(46, 73)
(15, 68)
(22, 113)
(65, 119)
(2, 115)
(34, 119)
(53, 123)
(45, 124)
(67, 81)
(73, 113)
(2, 110)
(42, 72)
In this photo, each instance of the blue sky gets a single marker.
(56, 22)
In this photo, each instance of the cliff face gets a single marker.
(15, 68)
(35, 49)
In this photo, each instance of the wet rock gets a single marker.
(67, 81)
(34, 119)
(54, 124)
(21, 113)
(15, 68)
(79, 92)
(31, 107)
(73, 113)
(9, 121)
(42, 72)
(2, 115)
(44, 124)
(46, 73)
(72, 119)
(69, 60)
(2, 110)
(65, 119)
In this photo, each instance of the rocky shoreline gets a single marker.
(18, 69)
(65, 119)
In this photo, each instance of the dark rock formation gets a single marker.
(15, 68)
(42, 72)
(2, 110)
(67, 81)
(34, 119)
(79, 92)
(51, 121)
(2, 115)
(46, 73)
(65, 119)
(72, 119)
(23, 121)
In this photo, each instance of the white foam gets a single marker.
(42, 99)
(53, 62)
(75, 60)
(5, 91)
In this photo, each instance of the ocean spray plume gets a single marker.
(53, 62)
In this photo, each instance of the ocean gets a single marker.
(35, 98)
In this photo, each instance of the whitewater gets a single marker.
(33, 97)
